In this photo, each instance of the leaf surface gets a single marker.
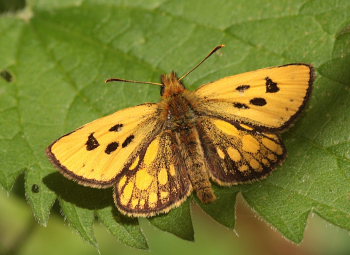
(55, 56)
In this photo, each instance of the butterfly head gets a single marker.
(171, 85)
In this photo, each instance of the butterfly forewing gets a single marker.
(95, 153)
(236, 153)
(267, 98)
(155, 181)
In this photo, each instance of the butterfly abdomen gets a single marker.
(182, 124)
(193, 156)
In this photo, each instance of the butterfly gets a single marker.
(156, 154)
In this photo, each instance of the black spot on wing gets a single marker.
(116, 128)
(91, 143)
(258, 101)
(128, 140)
(271, 86)
(240, 106)
(111, 147)
(242, 88)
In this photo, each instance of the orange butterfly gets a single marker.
(156, 154)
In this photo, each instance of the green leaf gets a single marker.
(39, 196)
(80, 219)
(55, 56)
(126, 229)
(177, 221)
(223, 208)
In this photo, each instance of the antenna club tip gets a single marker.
(222, 45)
(109, 80)
(113, 79)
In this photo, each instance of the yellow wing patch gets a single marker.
(158, 183)
(97, 152)
(237, 153)
(269, 98)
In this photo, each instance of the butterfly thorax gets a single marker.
(176, 108)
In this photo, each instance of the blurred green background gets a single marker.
(20, 234)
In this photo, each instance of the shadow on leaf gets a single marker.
(81, 196)
(122, 219)
(12, 6)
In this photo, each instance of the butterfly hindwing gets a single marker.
(236, 153)
(268, 98)
(94, 154)
(155, 181)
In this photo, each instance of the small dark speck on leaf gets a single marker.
(35, 188)
(6, 75)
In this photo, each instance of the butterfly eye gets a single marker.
(162, 90)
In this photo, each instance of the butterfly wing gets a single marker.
(155, 181)
(236, 153)
(268, 99)
(97, 152)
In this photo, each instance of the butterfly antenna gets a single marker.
(131, 81)
(211, 53)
